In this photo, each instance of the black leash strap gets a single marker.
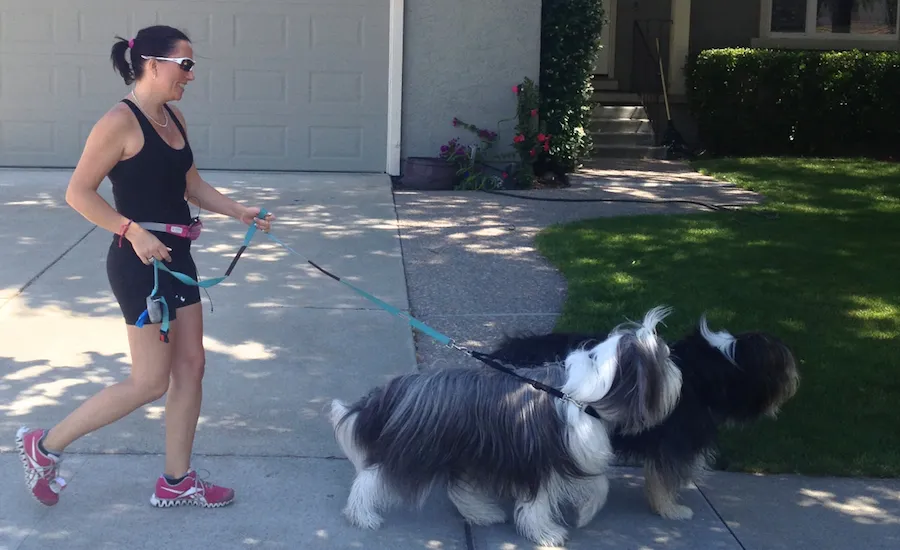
(538, 385)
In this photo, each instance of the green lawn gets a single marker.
(824, 275)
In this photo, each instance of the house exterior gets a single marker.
(627, 68)
(359, 85)
(307, 85)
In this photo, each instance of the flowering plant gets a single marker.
(470, 160)
(529, 140)
(531, 134)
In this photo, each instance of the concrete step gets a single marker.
(603, 97)
(622, 138)
(619, 111)
(629, 151)
(620, 125)
(602, 83)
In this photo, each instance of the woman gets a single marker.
(141, 144)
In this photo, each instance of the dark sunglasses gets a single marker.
(185, 63)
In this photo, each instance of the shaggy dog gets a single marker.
(486, 435)
(726, 380)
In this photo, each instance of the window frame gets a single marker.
(810, 34)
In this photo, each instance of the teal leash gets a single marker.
(157, 310)
(446, 340)
(150, 314)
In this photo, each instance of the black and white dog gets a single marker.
(486, 435)
(726, 380)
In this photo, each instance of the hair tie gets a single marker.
(131, 43)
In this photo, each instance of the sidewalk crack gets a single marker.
(721, 519)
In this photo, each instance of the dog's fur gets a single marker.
(727, 380)
(486, 435)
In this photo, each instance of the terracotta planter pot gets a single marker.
(430, 173)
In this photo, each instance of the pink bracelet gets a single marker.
(122, 231)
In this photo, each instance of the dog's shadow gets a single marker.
(626, 521)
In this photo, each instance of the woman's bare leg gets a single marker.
(183, 487)
(185, 390)
(148, 381)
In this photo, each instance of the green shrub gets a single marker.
(795, 102)
(570, 40)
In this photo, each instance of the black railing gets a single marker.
(646, 73)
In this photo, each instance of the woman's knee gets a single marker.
(189, 367)
(151, 362)
(151, 388)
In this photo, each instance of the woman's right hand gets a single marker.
(146, 245)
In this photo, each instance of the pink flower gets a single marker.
(504, 175)
(516, 89)
(541, 137)
(534, 112)
(519, 138)
(532, 152)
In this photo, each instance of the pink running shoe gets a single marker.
(41, 470)
(192, 491)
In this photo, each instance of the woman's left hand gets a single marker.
(250, 215)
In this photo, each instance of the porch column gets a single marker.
(679, 41)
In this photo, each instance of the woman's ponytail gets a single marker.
(120, 63)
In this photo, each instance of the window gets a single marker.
(856, 19)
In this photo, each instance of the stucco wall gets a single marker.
(461, 59)
(718, 24)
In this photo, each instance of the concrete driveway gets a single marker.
(282, 341)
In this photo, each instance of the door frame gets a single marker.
(609, 50)
(395, 88)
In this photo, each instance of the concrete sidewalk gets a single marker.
(284, 339)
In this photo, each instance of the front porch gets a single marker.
(644, 47)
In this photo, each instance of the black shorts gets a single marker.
(131, 281)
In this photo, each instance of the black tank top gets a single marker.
(150, 186)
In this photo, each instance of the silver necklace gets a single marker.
(147, 115)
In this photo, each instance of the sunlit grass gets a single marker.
(824, 275)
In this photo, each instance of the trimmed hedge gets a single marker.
(570, 40)
(796, 102)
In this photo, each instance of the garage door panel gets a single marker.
(267, 142)
(290, 85)
(70, 29)
(34, 138)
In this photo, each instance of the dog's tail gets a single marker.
(343, 421)
(722, 340)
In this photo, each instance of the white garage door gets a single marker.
(280, 84)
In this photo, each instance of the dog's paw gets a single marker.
(584, 517)
(489, 516)
(548, 535)
(363, 519)
(552, 537)
(676, 511)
